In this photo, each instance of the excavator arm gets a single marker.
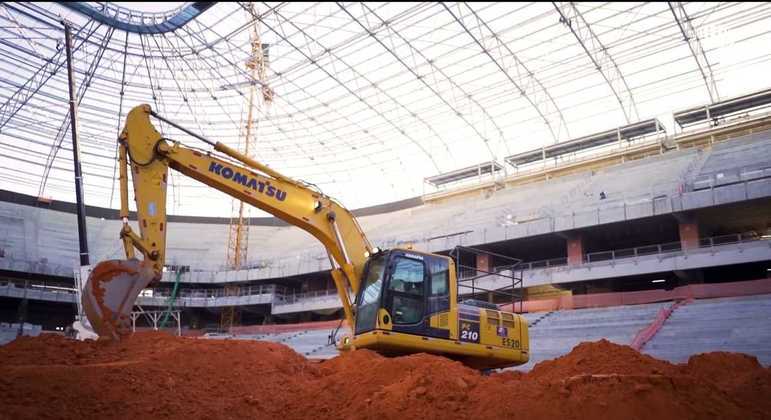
(114, 285)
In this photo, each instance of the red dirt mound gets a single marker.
(739, 376)
(153, 375)
(601, 358)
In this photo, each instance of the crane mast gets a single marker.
(238, 229)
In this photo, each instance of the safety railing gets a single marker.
(9, 260)
(38, 291)
(727, 239)
(255, 290)
(728, 177)
(63, 288)
(278, 266)
(288, 298)
(640, 251)
(552, 262)
(632, 252)
(56, 287)
(284, 296)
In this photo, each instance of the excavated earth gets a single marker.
(154, 375)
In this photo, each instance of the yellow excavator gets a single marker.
(405, 301)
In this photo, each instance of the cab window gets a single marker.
(440, 277)
(407, 276)
(407, 285)
(373, 281)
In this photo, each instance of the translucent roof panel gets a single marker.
(369, 99)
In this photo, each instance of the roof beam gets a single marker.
(521, 77)
(282, 35)
(694, 44)
(388, 27)
(80, 94)
(372, 33)
(41, 76)
(571, 17)
(332, 54)
(130, 20)
(308, 56)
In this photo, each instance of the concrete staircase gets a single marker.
(556, 333)
(728, 324)
(533, 321)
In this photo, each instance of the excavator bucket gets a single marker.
(110, 293)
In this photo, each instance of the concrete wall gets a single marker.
(41, 240)
(324, 301)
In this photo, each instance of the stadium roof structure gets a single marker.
(465, 173)
(369, 99)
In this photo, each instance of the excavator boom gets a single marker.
(114, 285)
(406, 301)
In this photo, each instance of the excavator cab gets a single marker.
(401, 290)
(408, 303)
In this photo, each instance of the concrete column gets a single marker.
(575, 245)
(689, 234)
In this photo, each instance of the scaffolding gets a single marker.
(154, 318)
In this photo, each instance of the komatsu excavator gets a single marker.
(405, 301)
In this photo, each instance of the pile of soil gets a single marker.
(154, 375)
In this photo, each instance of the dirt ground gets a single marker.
(154, 375)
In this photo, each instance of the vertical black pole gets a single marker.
(22, 312)
(82, 237)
